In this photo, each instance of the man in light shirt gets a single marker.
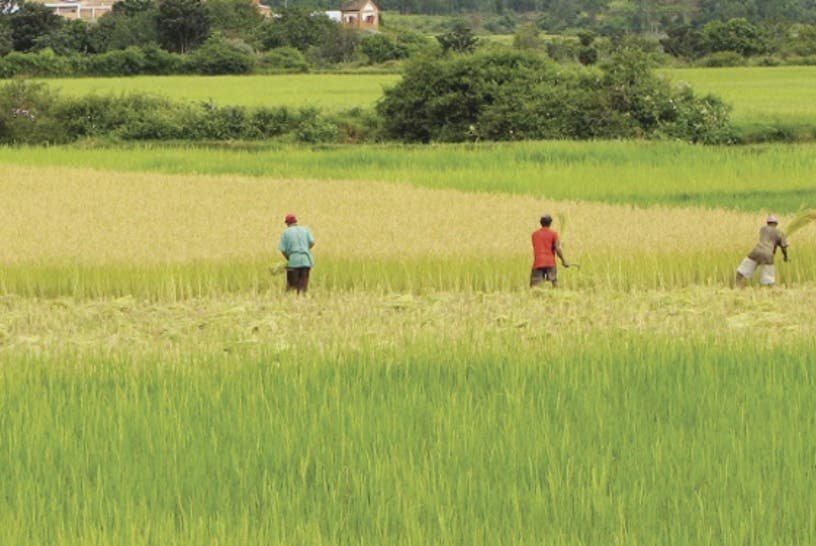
(296, 243)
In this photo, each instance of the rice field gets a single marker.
(761, 96)
(158, 386)
(746, 178)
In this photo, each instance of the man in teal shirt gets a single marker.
(295, 245)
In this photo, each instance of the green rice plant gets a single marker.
(558, 439)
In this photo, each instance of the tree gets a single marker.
(379, 48)
(683, 41)
(234, 18)
(72, 37)
(130, 23)
(295, 27)
(459, 39)
(336, 45)
(219, 56)
(738, 35)
(182, 25)
(527, 36)
(513, 95)
(30, 22)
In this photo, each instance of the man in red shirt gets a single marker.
(545, 249)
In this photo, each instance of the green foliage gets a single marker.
(803, 41)
(284, 60)
(459, 39)
(220, 56)
(160, 62)
(294, 27)
(40, 63)
(31, 21)
(380, 48)
(6, 39)
(515, 96)
(32, 113)
(722, 59)
(130, 23)
(587, 56)
(26, 114)
(337, 45)
(182, 25)
(74, 36)
(118, 62)
(737, 35)
(683, 41)
(528, 36)
(562, 50)
(234, 18)
(586, 37)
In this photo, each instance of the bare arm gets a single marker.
(560, 255)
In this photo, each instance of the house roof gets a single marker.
(355, 5)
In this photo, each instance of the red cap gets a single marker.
(291, 219)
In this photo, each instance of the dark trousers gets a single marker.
(297, 278)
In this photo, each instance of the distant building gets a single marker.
(361, 14)
(81, 9)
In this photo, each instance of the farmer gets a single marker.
(545, 249)
(770, 237)
(295, 244)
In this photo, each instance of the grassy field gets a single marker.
(782, 96)
(159, 387)
(326, 91)
(761, 96)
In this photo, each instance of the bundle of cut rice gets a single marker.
(803, 218)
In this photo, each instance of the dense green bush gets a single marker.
(721, 59)
(43, 63)
(26, 114)
(379, 48)
(514, 95)
(220, 56)
(32, 113)
(284, 60)
(119, 62)
(738, 35)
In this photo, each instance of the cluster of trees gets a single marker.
(517, 95)
(736, 39)
(31, 113)
(487, 95)
(610, 15)
(212, 36)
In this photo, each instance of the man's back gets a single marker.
(295, 243)
(544, 242)
(769, 238)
